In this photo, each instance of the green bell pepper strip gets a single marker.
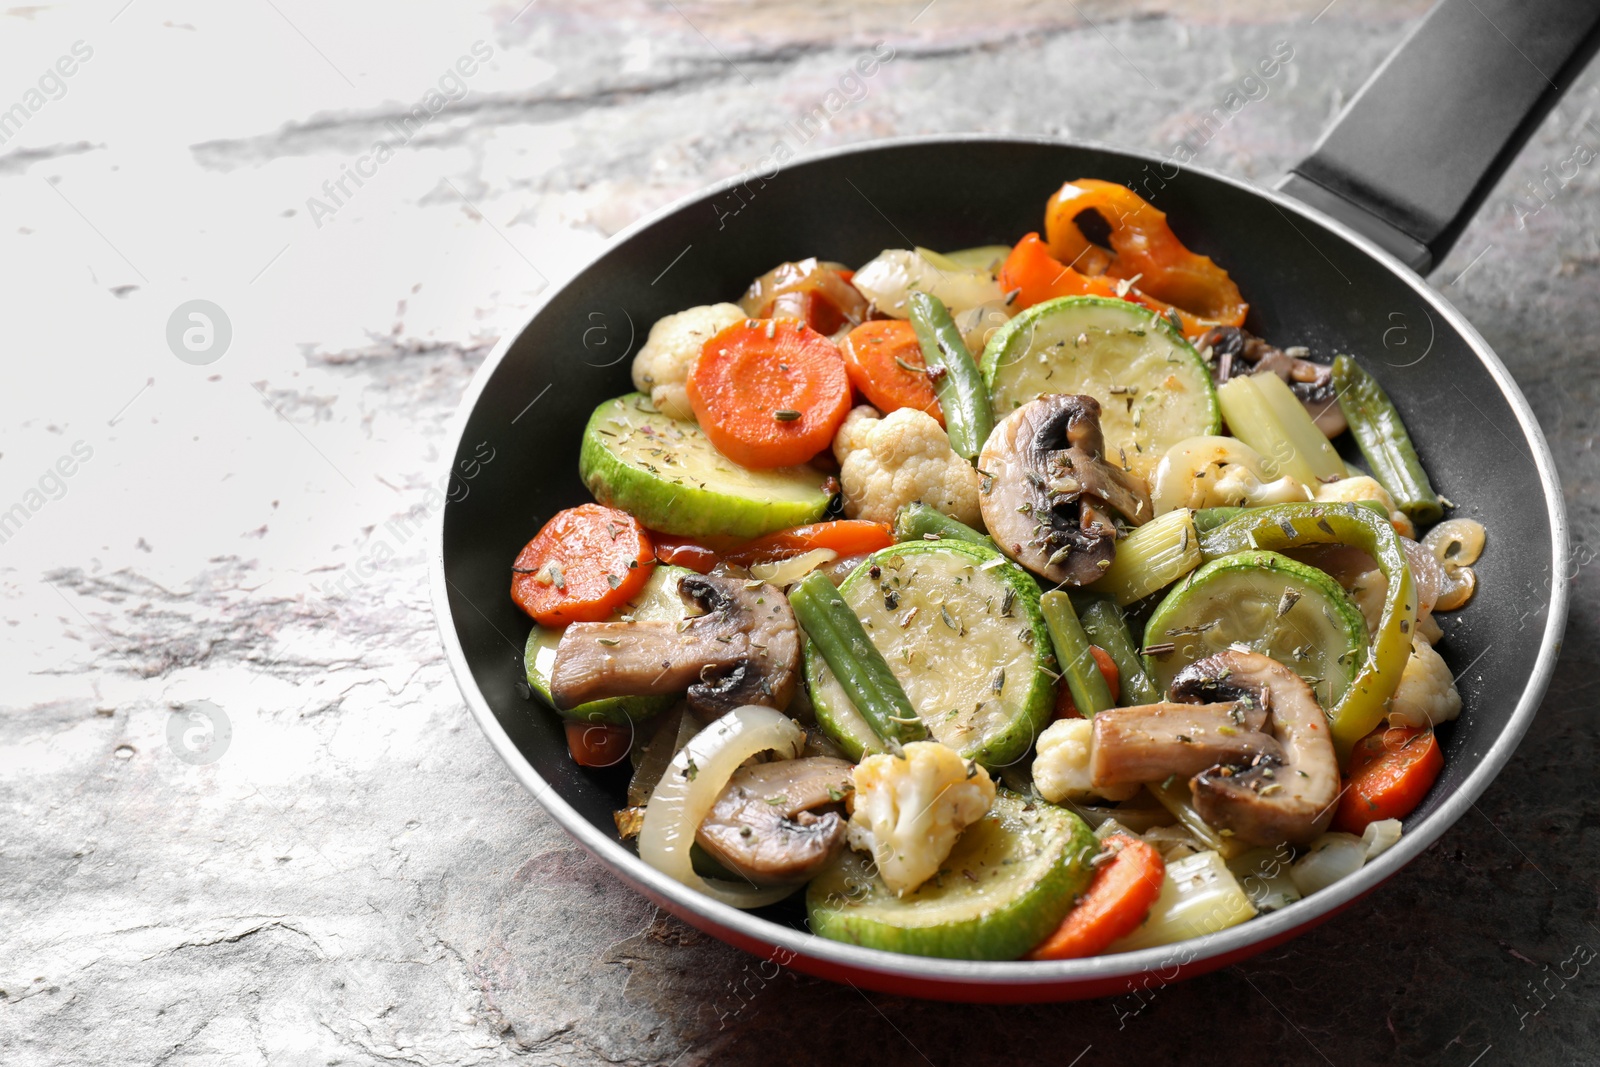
(836, 631)
(1289, 526)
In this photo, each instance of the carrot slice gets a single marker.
(1116, 902)
(585, 564)
(884, 360)
(683, 552)
(594, 744)
(1391, 770)
(1066, 707)
(769, 392)
(847, 537)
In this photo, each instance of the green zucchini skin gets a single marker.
(1094, 345)
(666, 473)
(1256, 582)
(1001, 731)
(1028, 861)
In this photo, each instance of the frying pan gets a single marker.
(1330, 259)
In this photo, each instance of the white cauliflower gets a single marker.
(1427, 694)
(903, 457)
(668, 355)
(1061, 764)
(910, 809)
(1360, 487)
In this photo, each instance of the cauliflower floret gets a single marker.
(1360, 487)
(663, 364)
(910, 809)
(903, 457)
(1427, 694)
(1061, 765)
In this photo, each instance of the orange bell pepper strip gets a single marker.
(1034, 275)
(1144, 251)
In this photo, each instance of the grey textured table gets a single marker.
(357, 880)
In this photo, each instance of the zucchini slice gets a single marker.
(1153, 387)
(657, 601)
(960, 627)
(667, 474)
(1270, 604)
(1008, 883)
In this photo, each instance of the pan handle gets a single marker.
(1417, 150)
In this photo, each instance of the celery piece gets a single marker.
(1199, 896)
(1152, 557)
(1264, 413)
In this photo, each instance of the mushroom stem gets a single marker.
(744, 649)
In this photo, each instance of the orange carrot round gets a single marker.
(1391, 770)
(884, 361)
(1116, 902)
(769, 392)
(584, 564)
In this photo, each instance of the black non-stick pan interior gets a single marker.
(1306, 284)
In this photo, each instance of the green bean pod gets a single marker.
(855, 661)
(1090, 692)
(1384, 442)
(963, 397)
(1105, 626)
(919, 522)
(1289, 526)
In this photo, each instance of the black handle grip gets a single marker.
(1419, 147)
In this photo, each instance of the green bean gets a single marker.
(919, 522)
(1090, 692)
(963, 397)
(855, 661)
(1104, 623)
(1384, 442)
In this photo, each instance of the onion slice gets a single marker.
(1332, 856)
(689, 788)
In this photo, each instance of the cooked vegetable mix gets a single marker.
(1105, 562)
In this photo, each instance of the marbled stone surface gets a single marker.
(357, 879)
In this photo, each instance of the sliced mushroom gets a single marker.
(1153, 741)
(744, 649)
(763, 826)
(1048, 491)
(1235, 352)
(1283, 797)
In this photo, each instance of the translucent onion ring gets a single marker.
(684, 797)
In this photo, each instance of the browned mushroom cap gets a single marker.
(763, 828)
(1048, 491)
(744, 649)
(1235, 352)
(1284, 797)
